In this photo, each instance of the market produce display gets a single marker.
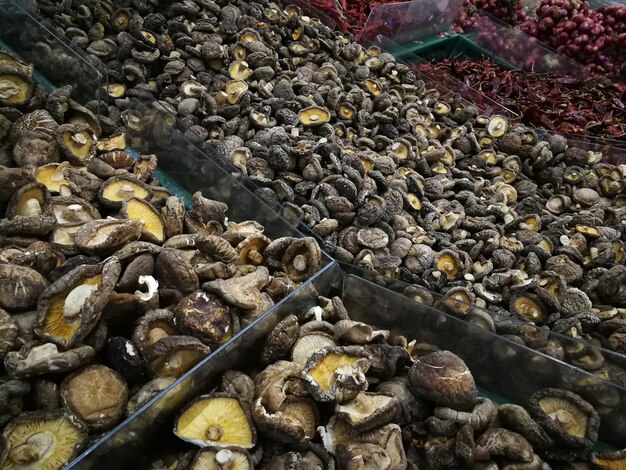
(110, 288)
(330, 392)
(585, 106)
(394, 180)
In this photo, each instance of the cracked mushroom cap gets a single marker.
(517, 419)
(566, 417)
(444, 378)
(218, 420)
(280, 340)
(337, 434)
(337, 374)
(71, 306)
(367, 411)
(308, 344)
(20, 287)
(294, 421)
(502, 443)
(212, 458)
(45, 440)
(97, 395)
(205, 316)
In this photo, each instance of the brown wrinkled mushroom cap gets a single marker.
(367, 411)
(444, 378)
(20, 287)
(33, 359)
(96, 394)
(242, 291)
(172, 356)
(104, 236)
(280, 340)
(205, 316)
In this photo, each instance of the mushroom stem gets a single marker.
(214, 433)
(32, 207)
(300, 263)
(255, 257)
(224, 458)
(562, 417)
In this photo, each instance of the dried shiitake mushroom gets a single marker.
(152, 226)
(70, 307)
(218, 420)
(35, 359)
(118, 189)
(104, 236)
(44, 440)
(77, 142)
(20, 287)
(96, 394)
(205, 316)
(337, 374)
(443, 378)
(566, 417)
(172, 356)
(367, 411)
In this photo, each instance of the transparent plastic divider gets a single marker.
(573, 348)
(410, 21)
(123, 447)
(57, 61)
(498, 365)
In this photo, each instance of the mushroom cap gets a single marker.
(337, 373)
(444, 378)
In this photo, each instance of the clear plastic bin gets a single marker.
(57, 61)
(504, 371)
(499, 366)
(124, 446)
